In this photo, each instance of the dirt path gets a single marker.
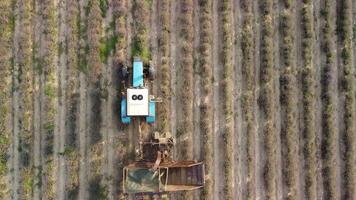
(299, 62)
(239, 141)
(15, 98)
(60, 133)
(173, 66)
(196, 85)
(197, 135)
(260, 156)
(277, 118)
(82, 118)
(317, 64)
(218, 110)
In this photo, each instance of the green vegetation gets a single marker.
(348, 83)
(266, 99)
(164, 108)
(248, 97)
(7, 27)
(329, 105)
(206, 110)
(308, 90)
(288, 97)
(140, 46)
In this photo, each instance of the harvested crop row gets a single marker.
(349, 95)
(330, 138)
(205, 49)
(164, 116)
(308, 90)
(288, 101)
(46, 66)
(140, 46)
(94, 33)
(5, 80)
(227, 90)
(71, 148)
(248, 98)
(25, 86)
(185, 129)
(266, 101)
(185, 92)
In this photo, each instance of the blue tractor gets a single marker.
(136, 100)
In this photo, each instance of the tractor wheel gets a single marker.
(124, 72)
(151, 72)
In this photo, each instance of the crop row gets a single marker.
(140, 46)
(47, 67)
(227, 98)
(206, 68)
(24, 62)
(248, 98)
(96, 11)
(186, 64)
(349, 94)
(288, 100)
(165, 72)
(308, 91)
(266, 99)
(329, 145)
(185, 127)
(5, 46)
(71, 146)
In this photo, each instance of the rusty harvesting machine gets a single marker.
(155, 171)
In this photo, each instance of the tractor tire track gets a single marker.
(260, 157)
(15, 108)
(83, 107)
(318, 104)
(218, 110)
(59, 140)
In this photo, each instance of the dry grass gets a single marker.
(141, 15)
(164, 108)
(5, 79)
(288, 101)
(206, 101)
(227, 90)
(329, 105)
(248, 98)
(348, 82)
(266, 99)
(308, 90)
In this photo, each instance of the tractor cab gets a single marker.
(136, 100)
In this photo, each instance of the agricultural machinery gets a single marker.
(154, 171)
(137, 102)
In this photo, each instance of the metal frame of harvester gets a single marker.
(155, 171)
